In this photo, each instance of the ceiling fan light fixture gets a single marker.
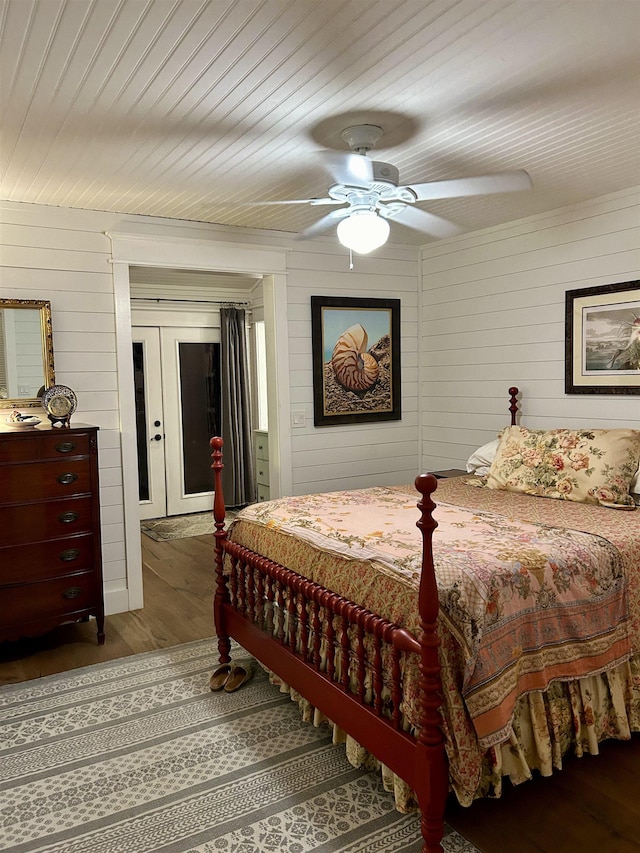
(363, 231)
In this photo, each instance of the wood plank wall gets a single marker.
(330, 458)
(64, 256)
(489, 314)
(493, 308)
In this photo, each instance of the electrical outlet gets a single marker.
(298, 419)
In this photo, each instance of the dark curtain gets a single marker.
(238, 476)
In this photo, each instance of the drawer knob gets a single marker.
(72, 592)
(67, 479)
(65, 447)
(68, 517)
(70, 554)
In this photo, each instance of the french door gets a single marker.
(177, 387)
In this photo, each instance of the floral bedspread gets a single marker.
(528, 601)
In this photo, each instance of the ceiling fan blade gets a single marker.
(352, 170)
(502, 182)
(423, 221)
(314, 201)
(325, 224)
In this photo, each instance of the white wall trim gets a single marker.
(278, 388)
(187, 253)
(193, 253)
(128, 439)
(117, 601)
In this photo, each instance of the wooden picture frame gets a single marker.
(356, 360)
(602, 346)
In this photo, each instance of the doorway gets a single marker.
(178, 404)
(210, 253)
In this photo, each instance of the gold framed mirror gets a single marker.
(26, 352)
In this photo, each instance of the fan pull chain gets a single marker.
(350, 259)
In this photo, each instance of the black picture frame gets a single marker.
(601, 331)
(345, 390)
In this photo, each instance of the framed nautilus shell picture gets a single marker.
(356, 360)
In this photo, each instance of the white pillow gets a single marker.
(634, 488)
(480, 460)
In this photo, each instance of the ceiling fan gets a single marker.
(369, 194)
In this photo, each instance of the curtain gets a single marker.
(238, 475)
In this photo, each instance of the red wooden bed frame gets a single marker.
(248, 587)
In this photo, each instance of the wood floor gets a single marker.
(592, 806)
(178, 595)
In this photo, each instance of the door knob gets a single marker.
(157, 437)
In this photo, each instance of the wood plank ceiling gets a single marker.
(191, 109)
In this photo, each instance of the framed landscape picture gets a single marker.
(356, 360)
(602, 325)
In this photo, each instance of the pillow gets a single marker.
(586, 465)
(480, 460)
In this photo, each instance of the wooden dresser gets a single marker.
(50, 550)
(261, 452)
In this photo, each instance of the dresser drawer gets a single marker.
(262, 472)
(50, 543)
(62, 444)
(37, 445)
(49, 520)
(40, 560)
(52, 598)
(34, 482)
(261, 440)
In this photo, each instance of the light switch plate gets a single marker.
(298, 419)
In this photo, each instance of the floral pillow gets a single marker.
(587, 465)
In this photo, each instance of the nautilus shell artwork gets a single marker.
(354, 368)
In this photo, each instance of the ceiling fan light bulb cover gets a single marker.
(363, 232)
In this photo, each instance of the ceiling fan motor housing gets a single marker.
(385, 174)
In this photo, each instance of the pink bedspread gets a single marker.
(528, 602)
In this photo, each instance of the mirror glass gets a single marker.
(26, 352)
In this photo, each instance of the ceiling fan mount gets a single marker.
(362, 137)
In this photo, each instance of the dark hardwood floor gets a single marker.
(592, 806)
(178, 595)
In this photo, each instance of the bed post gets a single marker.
(513, 404)
(222, 593)
(433, 783)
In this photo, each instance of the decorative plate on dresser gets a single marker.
(50, 545)
(59, 402)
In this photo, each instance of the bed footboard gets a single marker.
(344, 659)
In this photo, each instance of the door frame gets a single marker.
(199, 254)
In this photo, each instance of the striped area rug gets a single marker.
(137, 755)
